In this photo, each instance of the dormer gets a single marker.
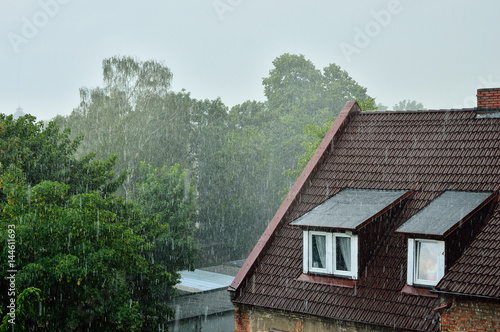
(340, 235)
(437, 235)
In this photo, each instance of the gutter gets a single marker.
(447, 305)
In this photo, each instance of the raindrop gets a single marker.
(97, 225)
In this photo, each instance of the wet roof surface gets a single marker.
(202, 281)
(202, 297)
(349, 208)
(443, 212)
(448, 150)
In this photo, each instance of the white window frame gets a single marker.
(308, 252)
(412, 267)
(330, 254)
(354, 255)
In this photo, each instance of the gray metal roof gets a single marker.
(201, 304)
(349, 208)
(202, 281)
(443, 212)
(203, 292)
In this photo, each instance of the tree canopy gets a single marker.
(46, 153)
(235, 157)
(408, 105)
(134, 116)
(85, 258)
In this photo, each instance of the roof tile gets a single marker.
(391, 150)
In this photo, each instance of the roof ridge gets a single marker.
(442, 110)
(350, 109)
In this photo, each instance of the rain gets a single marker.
(145, 147)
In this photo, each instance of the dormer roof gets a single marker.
(350, 209)
(444, 213)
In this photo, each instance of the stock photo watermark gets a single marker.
(222, 7)
(11, 273)
(31, 26)
(364, 36)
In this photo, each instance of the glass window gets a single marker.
(343, 253)
(318, 247)
(330, 253)
(425, 262)
(427, 254)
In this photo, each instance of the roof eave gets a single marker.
(326, 146)
(439, 291)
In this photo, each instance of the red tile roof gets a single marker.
(441, 150)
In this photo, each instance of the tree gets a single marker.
(368, 104)
(25, 310)
(88, 254)
(239, 194)
(46, 153)
(382, 107)
(168, 197)
(249, 113)
(341, 88)
(313, 136)
(235, 157)
(135, 116)
(293, 83)
(299, 95)
(408, 105)
(84, 254)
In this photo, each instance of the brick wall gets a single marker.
(488, 98)
(241, 319)
(467, 314)
(255, 319)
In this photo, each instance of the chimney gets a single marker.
(488, 98)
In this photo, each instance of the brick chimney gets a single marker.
(488, 98)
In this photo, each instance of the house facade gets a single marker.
(394, 225)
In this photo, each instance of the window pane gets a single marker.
(343, 256)
(427, 260)
(318, 243)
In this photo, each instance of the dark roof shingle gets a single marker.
(439, 150)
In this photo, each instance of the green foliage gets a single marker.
(303, 100)
(85, 254)
(250, 113)
(408, 105)
(235, 157)
(239, 195)
(41, 152)
(368, 104)
(46, 153)
(167, 198)
(313, 135)
(295, 86)
(134, 116)
(341, 88)
(293, 82)
(382, 107)
(25, 310)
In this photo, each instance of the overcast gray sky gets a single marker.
(435, 52)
